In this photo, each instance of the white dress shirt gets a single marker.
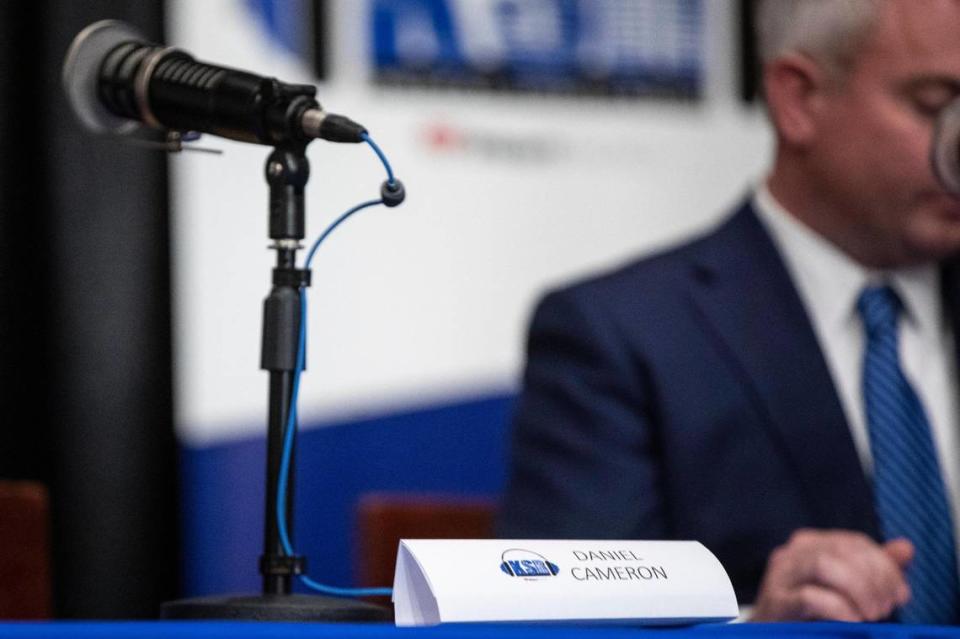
(829, 283)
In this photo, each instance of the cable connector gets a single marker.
(332, 127)
(393, 193)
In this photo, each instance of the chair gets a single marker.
(383, 519)
(25, 591)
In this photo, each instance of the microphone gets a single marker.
(116, 82)
(945, 150)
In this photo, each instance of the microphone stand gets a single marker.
(287, 172)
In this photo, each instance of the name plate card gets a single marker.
(646, 582)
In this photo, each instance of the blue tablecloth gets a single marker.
(263, 630)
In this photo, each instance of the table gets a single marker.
(264, 630)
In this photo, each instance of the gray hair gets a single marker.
(829, 31)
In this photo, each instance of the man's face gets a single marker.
(874, 133)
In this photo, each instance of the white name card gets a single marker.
(647, 582)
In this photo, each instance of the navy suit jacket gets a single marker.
(685, 396)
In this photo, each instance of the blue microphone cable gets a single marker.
(391, 194)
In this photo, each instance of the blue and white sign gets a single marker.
(622, 47)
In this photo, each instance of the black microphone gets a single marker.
(116, 81)
(945, 151)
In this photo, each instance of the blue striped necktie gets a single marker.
(909, 492)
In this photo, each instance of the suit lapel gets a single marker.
(745, 296)
(950, 293)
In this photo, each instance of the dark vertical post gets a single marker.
(287, 173)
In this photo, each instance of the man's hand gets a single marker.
(834, 574)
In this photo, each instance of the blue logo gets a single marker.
(517, 562)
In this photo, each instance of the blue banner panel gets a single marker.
(605, 47)
(456, 449)
(288, 23)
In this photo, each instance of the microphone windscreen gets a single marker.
(945, 151)
(81, 70)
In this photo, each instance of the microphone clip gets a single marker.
(173, 142)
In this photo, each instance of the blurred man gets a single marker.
(783, 389)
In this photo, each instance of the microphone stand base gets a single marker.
(276, 608)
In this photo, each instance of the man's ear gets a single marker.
(794, 87)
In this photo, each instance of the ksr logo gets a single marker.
(517, 562)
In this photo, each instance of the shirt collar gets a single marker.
(830, 281)
(919, 288)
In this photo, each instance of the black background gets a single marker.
(85, 363)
